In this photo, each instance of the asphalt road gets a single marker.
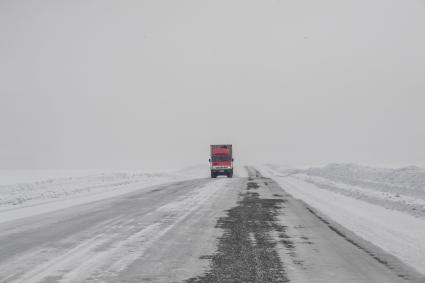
(202, 230)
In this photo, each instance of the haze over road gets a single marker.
(201, 230)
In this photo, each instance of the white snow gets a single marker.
(203, 171)
(401, 189)
(23, 199)
(408, 180)
(12, 177)
(114, 244)
(241, 172)
(361, 199)
(27, 193)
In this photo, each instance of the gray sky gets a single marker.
(150, 84)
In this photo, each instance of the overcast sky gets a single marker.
(150, 84)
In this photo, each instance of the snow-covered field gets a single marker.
(382, 205)
(401, 189)
(24, 193)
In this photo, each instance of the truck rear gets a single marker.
(221, 160)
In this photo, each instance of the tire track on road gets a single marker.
(103, 251)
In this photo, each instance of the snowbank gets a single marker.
(23, 199)
(401, 189)
(364, 200)
(27, 194)
(407, 180)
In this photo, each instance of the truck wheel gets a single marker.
(213, 175)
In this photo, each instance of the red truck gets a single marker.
(221, 161)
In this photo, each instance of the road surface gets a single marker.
(202, 230)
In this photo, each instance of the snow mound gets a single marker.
(27, 198)
(404, 180)
(381, 205)
(401, 189)
(32, 193)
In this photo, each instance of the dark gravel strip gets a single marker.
(247, 250)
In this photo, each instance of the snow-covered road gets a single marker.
(198, 230)
(131, 236)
